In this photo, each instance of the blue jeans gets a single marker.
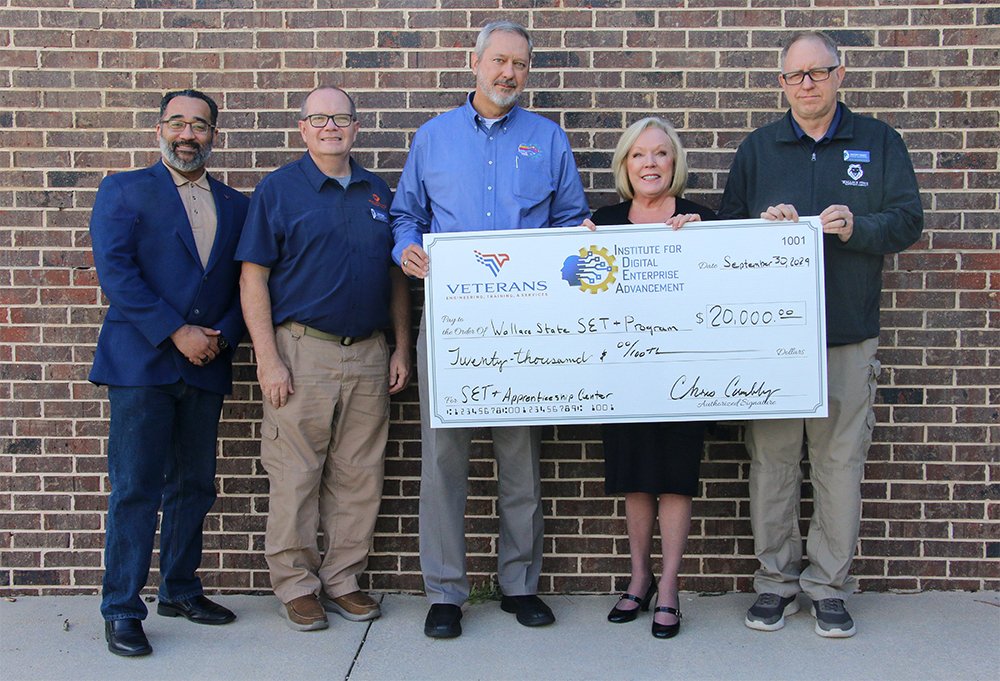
(161, 449)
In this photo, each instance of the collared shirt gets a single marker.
(196, 195)
(328, 249)
(827, 136)
(462, 176)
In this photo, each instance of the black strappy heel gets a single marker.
(667, 630)
(621, 616)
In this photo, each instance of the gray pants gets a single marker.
(444, 480)
(838, 446)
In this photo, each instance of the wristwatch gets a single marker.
(222, 343)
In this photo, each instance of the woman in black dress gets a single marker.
(655, 465)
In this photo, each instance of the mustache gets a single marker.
(506, 83)
(174, 146)
(201, 154)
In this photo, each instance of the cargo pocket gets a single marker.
(874, 369)
(270, 450)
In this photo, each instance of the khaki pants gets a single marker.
(324, 453)
(837, 446)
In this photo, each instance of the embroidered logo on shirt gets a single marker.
(376, 200)
(493, 261)
(852, 156)
(855, 172)
(528, 150)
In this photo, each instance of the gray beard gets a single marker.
(502, 101)
(180, 164)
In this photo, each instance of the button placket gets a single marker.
(489, 198)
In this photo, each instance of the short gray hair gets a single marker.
(619, 166)
(503, 26)
(302, 109)
(818, 36)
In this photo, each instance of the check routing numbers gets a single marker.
(717, 320)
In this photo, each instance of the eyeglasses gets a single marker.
(340, 120)
(815, 75)
(178, 125)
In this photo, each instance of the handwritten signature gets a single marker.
(681, 389)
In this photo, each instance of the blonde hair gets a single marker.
(625, 142)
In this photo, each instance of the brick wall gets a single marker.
(79, 83)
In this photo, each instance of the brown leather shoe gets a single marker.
(304, 614)
(356, 606)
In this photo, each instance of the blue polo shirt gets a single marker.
(329, 249)
(465, 174)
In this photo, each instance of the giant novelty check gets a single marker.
(717, 320)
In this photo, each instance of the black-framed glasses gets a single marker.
(815, 75)
(178, 125)
(340, 120)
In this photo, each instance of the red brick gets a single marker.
(396, 19)
(940, 323)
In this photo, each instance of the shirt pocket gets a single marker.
(532, 178)
(372, 233)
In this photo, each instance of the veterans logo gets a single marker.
(592, 270)
(493, 261)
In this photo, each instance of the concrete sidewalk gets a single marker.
(949, 636)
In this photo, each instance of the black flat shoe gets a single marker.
(197, 609)
(666, 630)
(619, 616)
(530, 610)
(126, 637)
(443, 621)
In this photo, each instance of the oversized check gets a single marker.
(717, 320)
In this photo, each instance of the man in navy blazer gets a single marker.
(163, 240)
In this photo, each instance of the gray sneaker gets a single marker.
(832, 618)
(768, 612)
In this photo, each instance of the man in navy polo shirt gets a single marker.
(486, 165)
(318, 285)
(855, 173)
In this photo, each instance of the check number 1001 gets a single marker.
(753, 315)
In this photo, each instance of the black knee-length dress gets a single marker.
(652, 458)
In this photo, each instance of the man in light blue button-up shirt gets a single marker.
(486, 165)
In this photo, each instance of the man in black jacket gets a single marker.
(855, 173)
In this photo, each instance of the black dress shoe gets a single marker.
(531, 611)
(197, 609)
(619, 616)
(443, 621)
(126, 637)
(666, 630)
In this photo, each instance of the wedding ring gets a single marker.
(405, 262)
